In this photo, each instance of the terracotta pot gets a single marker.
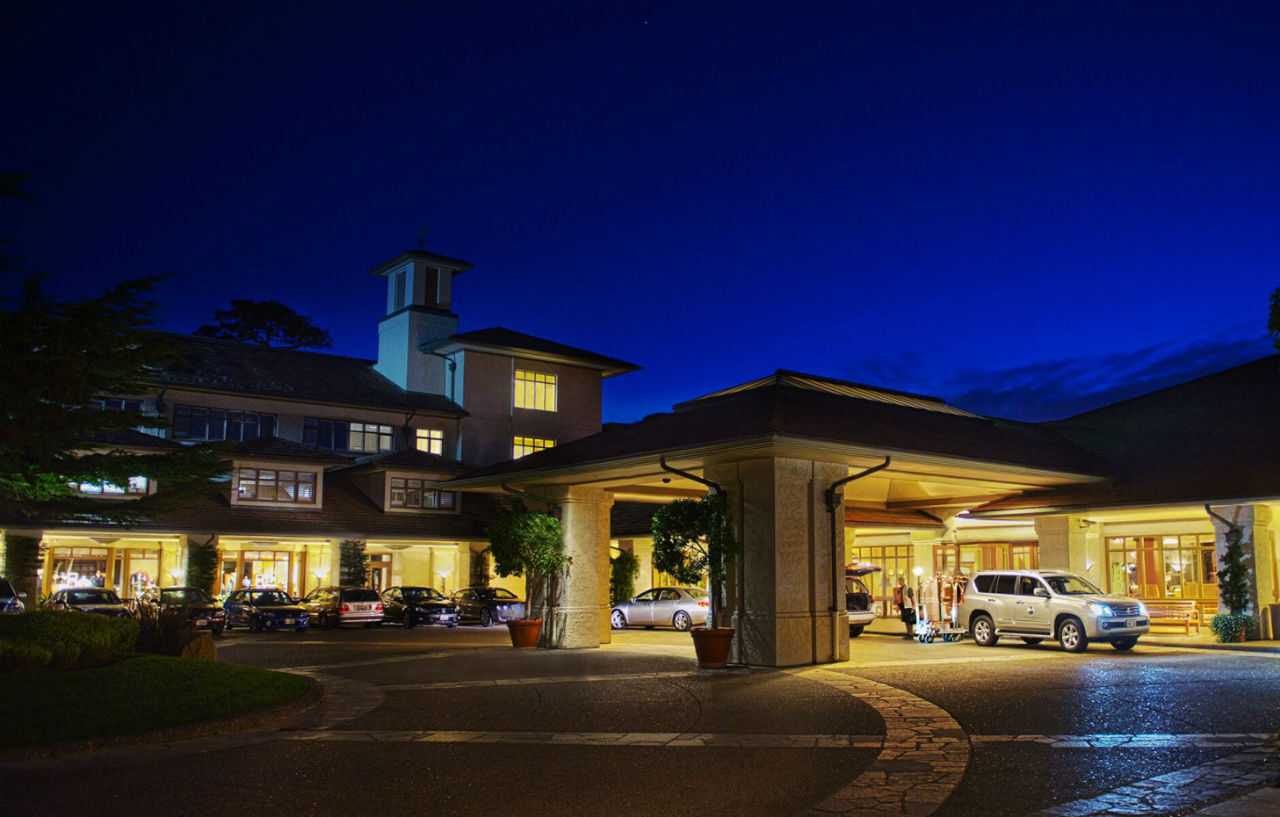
(712, 645)
(524, 632)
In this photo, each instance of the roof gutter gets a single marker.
(837, 560)
(527, 495)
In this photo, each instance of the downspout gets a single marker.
(837, 559)
(533, 497)
(409, 441)
(714, 486)
(1231, 526)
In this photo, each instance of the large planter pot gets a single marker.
(712, 645)
(524, 632)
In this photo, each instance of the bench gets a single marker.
(1184, 613)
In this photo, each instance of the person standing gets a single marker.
(905, 600)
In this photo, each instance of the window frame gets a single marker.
(533, 390)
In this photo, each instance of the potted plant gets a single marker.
(530, 544)
(1233, 589)
(693, 540)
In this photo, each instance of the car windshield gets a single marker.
(184, 595)
(269, 597)
(92, 597)
(1069, 585)
(424, 594)
(6, 590)
(494, 593)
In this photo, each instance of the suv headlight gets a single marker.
(1142, 609)
(1099, 609)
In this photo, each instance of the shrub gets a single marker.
(623, 570)
(164, 631)
(70, 639)
(1228, 627)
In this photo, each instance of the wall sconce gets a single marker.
(175, 574)
(320, 573)
(918, 570)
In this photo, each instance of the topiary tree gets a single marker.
(693, 540)
(531, 544)
(351, 563)
(202, 565)
(623, 570)
(1233, 589)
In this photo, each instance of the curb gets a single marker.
(268, 719)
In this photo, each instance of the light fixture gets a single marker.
(175, 574)
(320, 573)
(918, 570)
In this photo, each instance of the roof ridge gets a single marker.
(188, 336)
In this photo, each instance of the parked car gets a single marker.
(264, 608)
(10, 599)
(89, 600)
(857, 598)
(1037, 604)
(203, 612)
(412, 606)
(679, 607)
(335, 606)
(488, 604)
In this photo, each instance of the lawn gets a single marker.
(138, 694)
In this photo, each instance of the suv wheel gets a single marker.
(855, 630)
(1124, 643)
(984, 631)
(1071, 635)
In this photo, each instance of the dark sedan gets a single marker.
(488, 604)
(264, 609)
(412, 606)
(89, 600)
(203, 612)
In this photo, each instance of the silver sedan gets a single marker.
(679, 607)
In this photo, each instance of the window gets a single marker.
(430, 440)
(270, 485)
(399, 300)
(202, 423)
(1163, 567)
(521, 446)
(1004, 585)
(535, 390)
(136, 485)
(116, 404)
(340, 435)
(413, 493)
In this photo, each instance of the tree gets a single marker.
(530, 543)
(692, 540)
(1273, 320)
(266, 323)
(623, 570)
(56, 359)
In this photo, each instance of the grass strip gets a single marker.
(138, 694)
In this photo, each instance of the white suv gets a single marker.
(1037, 604)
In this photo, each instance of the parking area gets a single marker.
(455, 721)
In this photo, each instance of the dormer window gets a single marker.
(136, 486)
(535, 390)
(415, 493)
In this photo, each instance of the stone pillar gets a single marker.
(1063, 545)
(1255, 521)
(582, 617)
(642, 549)
(780, 596)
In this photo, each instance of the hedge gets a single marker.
(63, 640)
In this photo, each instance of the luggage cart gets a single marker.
(933, 623)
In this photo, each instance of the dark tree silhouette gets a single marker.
(266, 323)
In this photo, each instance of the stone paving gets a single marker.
(921, 762)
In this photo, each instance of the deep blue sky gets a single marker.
(1027, 208)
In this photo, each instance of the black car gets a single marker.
(264, 608)
(10, 599)
(203, 612)
(488, 604)
(412, 606)
(89, 600)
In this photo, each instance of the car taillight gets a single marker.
(346, 608)
(704, 604)
(377, 606)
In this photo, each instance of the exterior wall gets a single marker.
(487, 381)
(399, 337)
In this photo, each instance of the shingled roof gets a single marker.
(1215, 438)
(780, 409)
(245, 368)
(507, 340)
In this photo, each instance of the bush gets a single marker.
(623, 570)
(164, 631)
(71, 640)
(1228, 627)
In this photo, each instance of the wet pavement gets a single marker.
(457, 722)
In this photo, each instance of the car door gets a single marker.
(467, 607)
(640, 610)
(1031, 611)
(392, 606)
(235, 607)
(1001, 599)
(665, 606)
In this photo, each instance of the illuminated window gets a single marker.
(535, 390)
(137, 485)
(527, 445)
(270, 485)
(340, 435)
(412, 493)
(369, 437)
(430, 440)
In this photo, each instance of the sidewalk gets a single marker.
(1264, 802)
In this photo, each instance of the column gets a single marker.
(786, 588)
(582, 617)
(1255, 521)
(642, 549)
(1063, 545)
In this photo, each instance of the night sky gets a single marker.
(1027, 208)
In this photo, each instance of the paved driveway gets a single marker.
(433, 721)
